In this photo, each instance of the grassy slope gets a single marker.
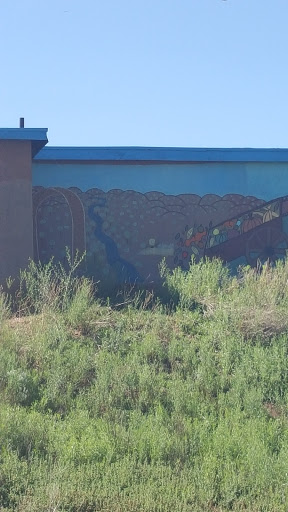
(141, 408)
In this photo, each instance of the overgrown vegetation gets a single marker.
(145, 407)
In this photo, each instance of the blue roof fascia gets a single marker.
(168, 154)
(37, 136)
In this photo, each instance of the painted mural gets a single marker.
(58, 224)
(126, 234)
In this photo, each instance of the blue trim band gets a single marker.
(169, 154)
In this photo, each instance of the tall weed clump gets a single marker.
(253, 303)
(54, 287)
(5, 306)
(257, 300)
(199, 285)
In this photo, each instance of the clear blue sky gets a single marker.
(191, 73)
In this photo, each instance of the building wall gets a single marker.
(129, 216)
(16, 235)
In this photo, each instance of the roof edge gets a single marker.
(37, 136)
(161, 154)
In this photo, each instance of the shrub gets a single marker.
(48, 286)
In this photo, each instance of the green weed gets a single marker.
(138, 406)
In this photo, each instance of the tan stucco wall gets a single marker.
(16, 226)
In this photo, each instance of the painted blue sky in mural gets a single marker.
(155, 73)
(264, 181)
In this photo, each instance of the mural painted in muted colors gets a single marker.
(126, 234)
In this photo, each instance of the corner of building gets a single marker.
(17, 148)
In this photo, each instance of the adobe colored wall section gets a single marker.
(16, 228)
